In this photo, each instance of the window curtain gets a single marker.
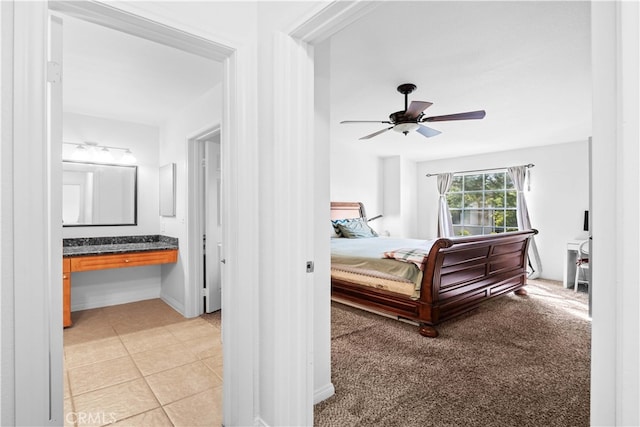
(518, 174)
(445, 223)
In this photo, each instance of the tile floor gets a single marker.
(142, 364)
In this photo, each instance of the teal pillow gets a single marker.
(335, 222)
(355, 228)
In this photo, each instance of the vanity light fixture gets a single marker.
(92, 152)
(128, 157)
(104, 155)
(80, 153)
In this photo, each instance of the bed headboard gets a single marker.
(345, 210)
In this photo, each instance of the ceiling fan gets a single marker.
(412, 117)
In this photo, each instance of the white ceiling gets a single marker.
(114, 75)
(526, 63)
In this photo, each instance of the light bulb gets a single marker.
(105, 156)
(80, 153)
(128, 157)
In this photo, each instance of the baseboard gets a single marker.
(115, 299)
(319, 395)
(323, 393)
(173, 303)
(259, 422)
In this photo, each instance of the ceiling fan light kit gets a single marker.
(406, 127)
(410, 119)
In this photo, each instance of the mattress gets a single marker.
(362, 261)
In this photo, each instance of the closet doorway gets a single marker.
(206, 171)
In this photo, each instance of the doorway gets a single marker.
(168, 321)
(207, 196)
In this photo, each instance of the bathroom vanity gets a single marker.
(100, 253)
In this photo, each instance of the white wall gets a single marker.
(92, 289)
(143, 140)
(399, 198)
(118, 286)
(386, 186)
(408, 199)
(391, 197)
(205, 112)
(558, 198)
(356, 177)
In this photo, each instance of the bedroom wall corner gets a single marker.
(409, 197)
(391, 180)
(399, 193)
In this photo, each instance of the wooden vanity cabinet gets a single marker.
(103, 262)
(133, 259)
(66, 292)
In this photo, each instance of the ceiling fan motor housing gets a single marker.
(404, 124)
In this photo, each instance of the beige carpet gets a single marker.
(515, 361)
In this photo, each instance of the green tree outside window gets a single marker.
(482, 203)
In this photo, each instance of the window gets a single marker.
(482, 203)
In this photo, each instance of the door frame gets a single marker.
(237, 102)
(193, 298)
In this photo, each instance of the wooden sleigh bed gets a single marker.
(457, 275)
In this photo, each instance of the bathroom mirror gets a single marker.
(95, 194)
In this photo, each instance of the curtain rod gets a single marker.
(530, 165)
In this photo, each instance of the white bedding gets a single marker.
(365, 257)
(375, 247)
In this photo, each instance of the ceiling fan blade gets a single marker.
(460, 116)
(416, 108)
(376, 133)
(365, 121)
(427, 131)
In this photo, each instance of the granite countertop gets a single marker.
(117, 245)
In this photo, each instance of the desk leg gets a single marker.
(569, 275)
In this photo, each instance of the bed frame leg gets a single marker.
(427, 331)
(520, 292)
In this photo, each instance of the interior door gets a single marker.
(212, 224)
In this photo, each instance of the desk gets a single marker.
(101, 262)
(570, 258)
(99, 253)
